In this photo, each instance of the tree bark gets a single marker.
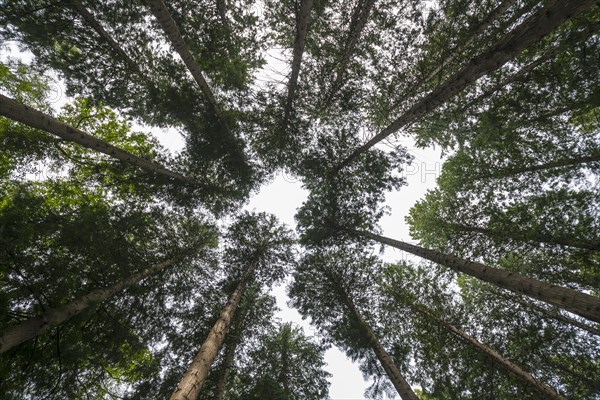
(538, 238)
(360, 16)
(36, 326)
(190, 385)
(228, 359)
(161, 13)
(553, 14)
(285, 367)
(36, 119)
(386, 361)
(571, 300)
(303, 19)
(546, 391)
(95, 25)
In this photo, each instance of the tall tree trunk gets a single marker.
(190, 385)
(284, 373)
(538, 238)
(36, 119)
(567, 162)
(546, 391)
(386, 361)
(552, 314)
(571, 300)
(228, 359)
(553, 14)
(36, 326)
(360, 16)
(161, 12)
(303, 18)
(95, 25)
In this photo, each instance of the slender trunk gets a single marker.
(567, 162)
(36, 326)
(360, 16)
(95, 25)
(386, 361)
(555, 315)
(538, 238)
(190, 385)
(36, 119)
(284, 378)
(303, 18)
(571, 300)
(161, 13)
(553, 14)
(546, 391)
(228, 358)
(549, 54)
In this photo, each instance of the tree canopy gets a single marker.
(129, 270)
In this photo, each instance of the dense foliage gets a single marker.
(129, 271)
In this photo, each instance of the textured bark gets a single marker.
(387, 362)
(303, 19)
(285, 365)
(538, 238)
(36, 119)
(553, 14)
(546, 391)
(228, 358)
(571, 300)
(95, 25)
(160, 11)
(36, 326)
(190, 385)
(360, 16)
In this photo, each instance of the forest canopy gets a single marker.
(128, 271)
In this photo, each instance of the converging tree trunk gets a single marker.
(522, 236)
(386, 361)
(190, 385)
(546, 391)
(302, 20)
(360, 17)
(571, 300)
(36, 326)
(228, 359)
(161, 12)
(95, 25)
(544, 21)
(37, 119)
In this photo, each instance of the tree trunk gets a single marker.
(387, 362)
(546, 391)
(360, 16)
(190, 385)
(538, 238)
(555, 315)
(36, 119)
(303, 18)
(36, 326)
(160, 11)
(284, 378)
(571, 300)
(95, 25)
(567, 162)
(553, 14)
(228, 358)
